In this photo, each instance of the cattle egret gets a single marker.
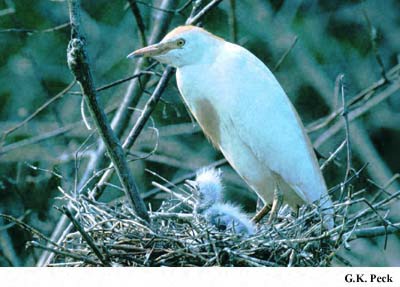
(224, 216)
(245, 112)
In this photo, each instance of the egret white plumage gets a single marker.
(211, 206)
(245, 112)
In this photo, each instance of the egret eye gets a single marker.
(180, 43)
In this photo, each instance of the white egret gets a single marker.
(245, 112)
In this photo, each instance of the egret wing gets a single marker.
(277, 134)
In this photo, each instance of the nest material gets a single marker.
(112, 235)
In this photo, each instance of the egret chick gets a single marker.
(210, 204)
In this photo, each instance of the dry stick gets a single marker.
(375, 231)
(62, 130)
(185, 200)
(195, 19)
(123, 80)
(79, 66)
(36, 139)
(102, 88)
(374, 206)
(333, 155)
(280, 61)
(366, 93)
(64, 253)
(373, 38)
(31, 31)
(119, 124)
(86, 237)
(28, 228)
(40, 109)
(139, 22)
(173, 11)
(356, 113)
(66, 128)
(348, 157)
(45, 136)
(345, 115)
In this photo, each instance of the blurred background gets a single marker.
(46, 146)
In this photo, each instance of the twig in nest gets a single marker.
(88, 239)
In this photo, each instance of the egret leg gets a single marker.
(260, 204)
(276, 204)
(260, 214)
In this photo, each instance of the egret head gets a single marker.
(208, 187)
(185, 45)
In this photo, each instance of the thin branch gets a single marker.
(202, 13)
(333, 155)
(37, 139)
(64, 253)
(28, 228)
(32, 31)
(364, 94)
(172, 11)
(356, 113)
(232, 21)
(375, 231)
(139, 22)
(373, 37)
(40, 109)
(86, 237)
(347, 129)
(284, 56)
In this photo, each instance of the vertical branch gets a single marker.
(232, 21)
(373, 34)
(139, 21)
(345, 115)
(79, 66)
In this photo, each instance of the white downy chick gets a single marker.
(210, 204)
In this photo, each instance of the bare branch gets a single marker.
(79, 66)
(40, 109)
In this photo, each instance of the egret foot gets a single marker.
(276, 204)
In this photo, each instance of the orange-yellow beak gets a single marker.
(152, 50)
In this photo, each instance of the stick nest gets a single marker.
(177, 237)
